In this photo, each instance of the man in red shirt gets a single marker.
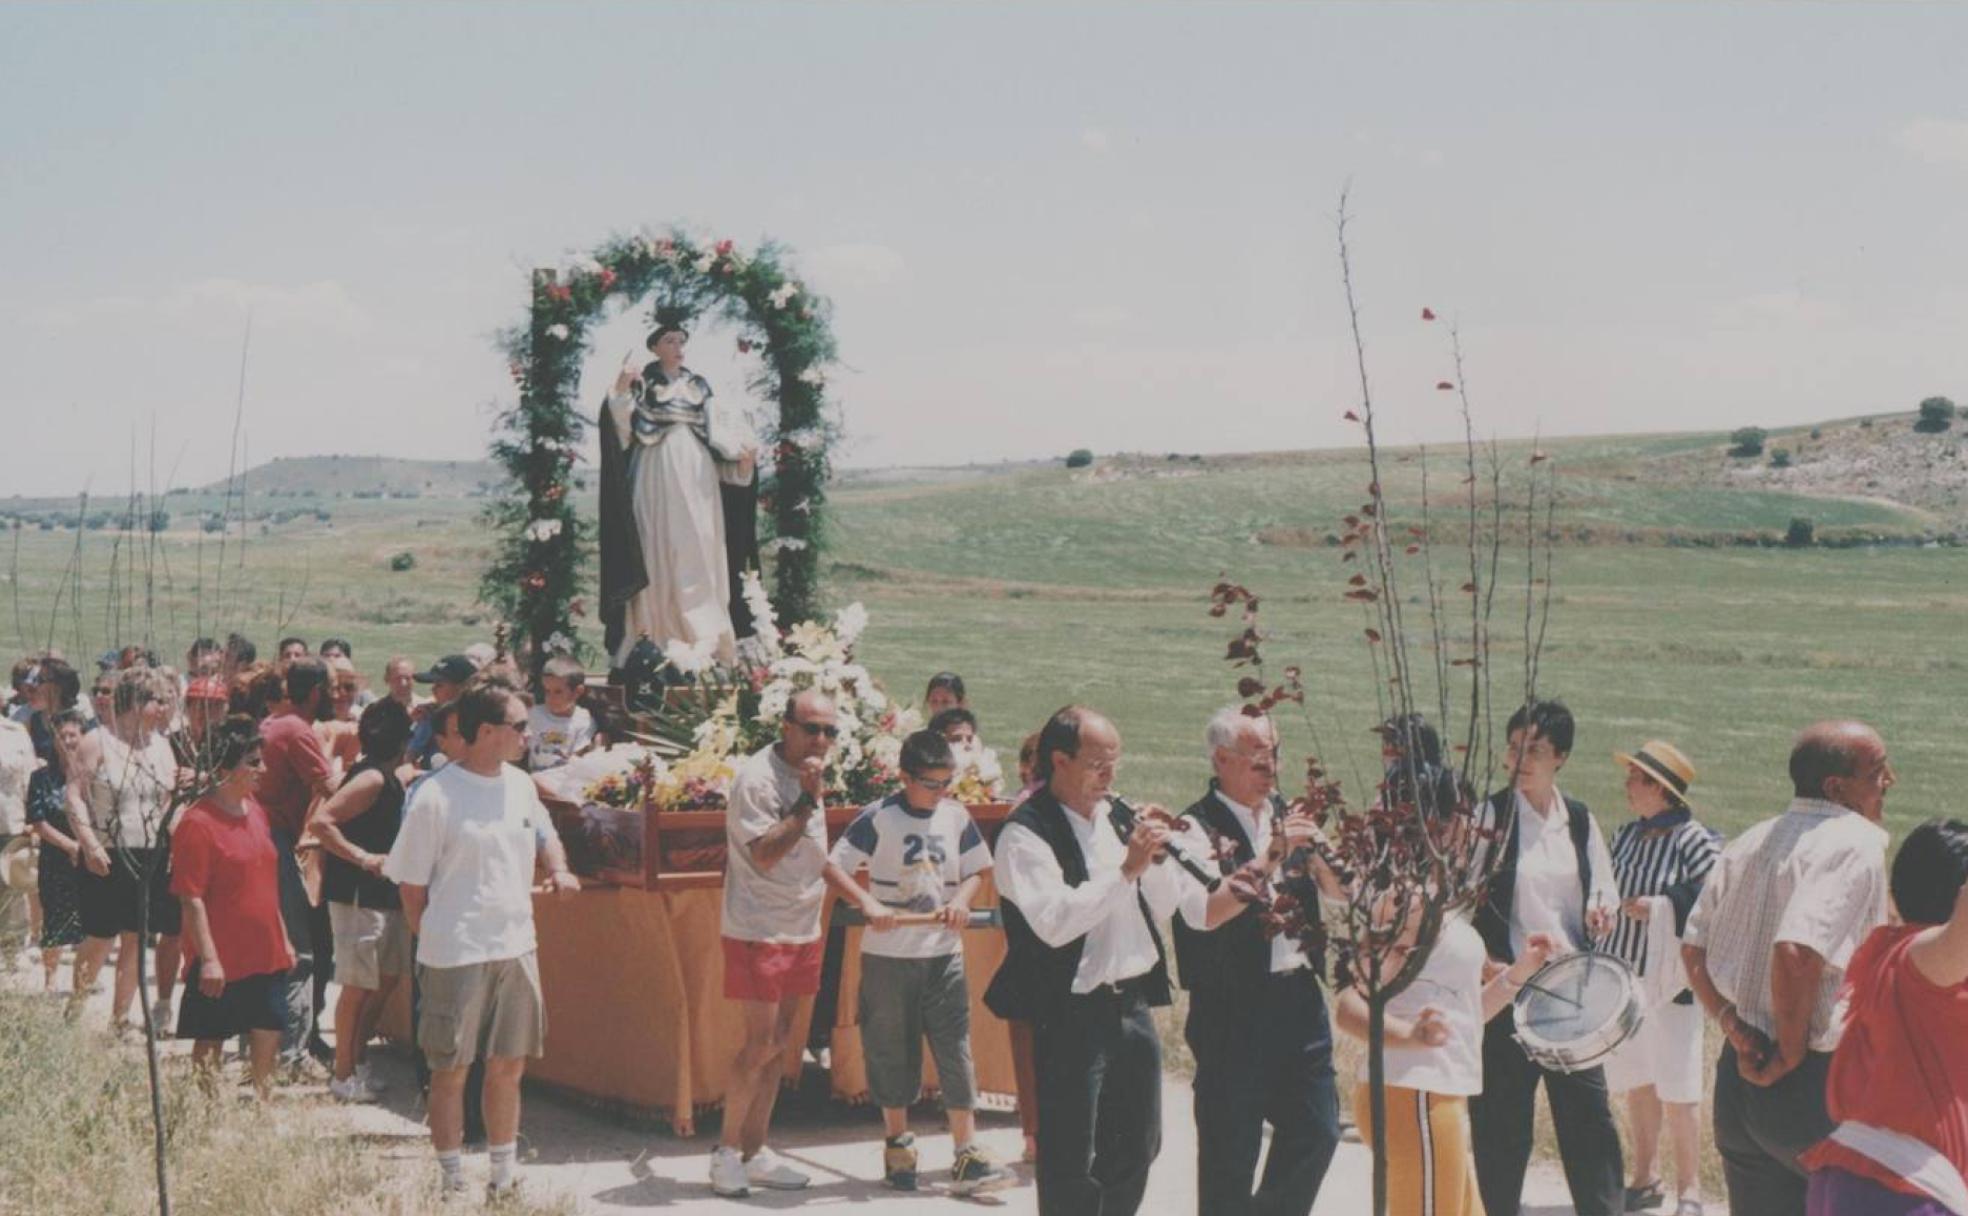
(297, 772)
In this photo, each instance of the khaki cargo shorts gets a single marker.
(370, 943)
(481, 1010)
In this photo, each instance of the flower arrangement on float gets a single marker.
(729, 711)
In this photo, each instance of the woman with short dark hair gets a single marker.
(225, 870)
(1898, 1088)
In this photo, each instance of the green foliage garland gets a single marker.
(544, 544)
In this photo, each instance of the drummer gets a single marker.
(1661, 859)
(1550, 874)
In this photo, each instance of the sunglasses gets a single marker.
(815, 729)
(935, 787)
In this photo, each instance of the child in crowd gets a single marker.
(560, 726)
(923, 855)
(958, 727)
(1434, 1061)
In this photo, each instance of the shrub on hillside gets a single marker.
(1079, 458)
(405, 560)
(1747, 441)
(1780, 458)
(1817, 432)
(1936, 415)
(1801, 533)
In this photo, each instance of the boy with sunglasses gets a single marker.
(924, 856)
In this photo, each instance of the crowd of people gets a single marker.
(391, 839)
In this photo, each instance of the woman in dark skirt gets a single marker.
(225, 871)
(56, 688)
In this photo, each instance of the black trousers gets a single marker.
(1100, 1104)
(1263, 1056)
(1500, 1127)
(1760, 1132)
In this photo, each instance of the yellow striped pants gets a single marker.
(1430, 1170)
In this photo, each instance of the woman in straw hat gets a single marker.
(1660, 858)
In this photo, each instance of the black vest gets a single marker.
(1236, 955)
(1494, 913)
(1036, 979)
(373, 831)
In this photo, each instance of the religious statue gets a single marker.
(679, 507)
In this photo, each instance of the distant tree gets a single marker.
(1936, 415)
(1079, 458)
(1780, 458)
(405, 560)
(1801, 534)
(1865, 424)
(1748, 441)
(1817, 432)
(160, 520)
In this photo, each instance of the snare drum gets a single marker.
(1576, 1011)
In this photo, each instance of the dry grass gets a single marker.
(76, 1123)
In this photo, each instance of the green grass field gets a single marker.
(1043, 587)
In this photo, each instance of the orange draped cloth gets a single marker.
(636, 1014)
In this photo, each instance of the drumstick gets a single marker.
(980, 918)
(1534, 987)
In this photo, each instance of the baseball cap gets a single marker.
(451, 669)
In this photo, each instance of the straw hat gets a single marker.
(1663, 763)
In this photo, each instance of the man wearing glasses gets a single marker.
(775, 878)
(463, 863)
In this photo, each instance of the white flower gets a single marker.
(764, 620)
(784, 542)
(543, 529)
(705, 263)
(560, 643)
(813, 376)
(773, 700)
(908, 720)
(783, 294)
(810, 439)
(887, 750)
(689, 658)
(584, 265)
(849, 623)
(557, 332)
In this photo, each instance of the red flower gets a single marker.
(1428, 314)
(607, 278)
(561, 292)
(724, 248)
(577, 606)
(744, 346)
(535, 581)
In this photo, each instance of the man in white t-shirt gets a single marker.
(924, 858)
(464, 862)
(776, 875)
(560, 727)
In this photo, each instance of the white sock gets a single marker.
(502, 1163)
(452, 1163)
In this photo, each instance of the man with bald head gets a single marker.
(1766, 948)
(1082, 897)
(775, 877)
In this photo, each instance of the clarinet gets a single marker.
(1124, 818)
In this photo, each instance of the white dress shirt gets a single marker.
(1549, 897)
(1286, 953)
(1814, 876)
(1103, 909)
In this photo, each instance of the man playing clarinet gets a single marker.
(1257, 1019)
(1082, 890)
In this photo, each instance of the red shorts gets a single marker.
(771, 971)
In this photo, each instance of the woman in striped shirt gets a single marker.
(1660, 859)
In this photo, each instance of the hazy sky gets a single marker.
(1042, 226)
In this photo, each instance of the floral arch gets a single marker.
(543, 543)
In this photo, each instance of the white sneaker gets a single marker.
(728, 1173)
(351, 1089)
(769, 1169)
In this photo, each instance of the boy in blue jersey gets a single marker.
(924, 856)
